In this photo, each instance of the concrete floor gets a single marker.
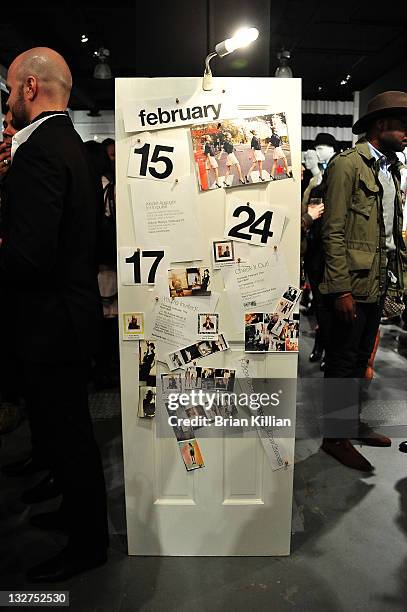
(349, 551)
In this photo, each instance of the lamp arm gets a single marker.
(207, 60)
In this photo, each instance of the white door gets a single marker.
(236, 505)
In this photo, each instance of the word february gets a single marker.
(207, 111)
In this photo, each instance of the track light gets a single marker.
(84, 38)
(241, 38)
(283, 71)
(102, 68)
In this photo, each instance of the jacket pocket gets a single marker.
(364, 197)
(360, 264)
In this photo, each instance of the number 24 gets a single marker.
(254, 224)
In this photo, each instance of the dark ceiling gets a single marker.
(327, 39)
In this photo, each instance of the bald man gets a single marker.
(48, 264)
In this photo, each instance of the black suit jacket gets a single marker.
(48, 260)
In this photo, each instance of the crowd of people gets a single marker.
(58, 263)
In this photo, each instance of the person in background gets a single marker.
(48, 265)
(110, 147)
(10, 391)
(106, 373)
(363, 247)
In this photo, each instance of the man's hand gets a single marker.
(345, 308)
(316, 211)
(5, 155)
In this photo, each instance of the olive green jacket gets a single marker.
(353, 232)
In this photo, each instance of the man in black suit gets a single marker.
(48, 266)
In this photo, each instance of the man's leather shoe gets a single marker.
(344, 452)
(49, 520)
(47, 488)
(65, 565)
(372, 438)
(23, 467)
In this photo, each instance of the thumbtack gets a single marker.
(238, 260)
(156, 298)
(285, 463)
(177, 100)
(275, 247)
(176, 180)
(138, 140)
(247, 360)
(223, 90)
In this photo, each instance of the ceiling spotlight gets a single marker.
(102, 68)
(283, 70)
(84, 38)
(241, 38)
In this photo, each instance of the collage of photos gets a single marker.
(241, 151)
(147, 379)
(204, 348)
(187, 282)
(268, 333)
(209, 378)
(133, 325)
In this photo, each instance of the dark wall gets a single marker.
(395, 79)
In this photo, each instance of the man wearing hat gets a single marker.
(363, 244)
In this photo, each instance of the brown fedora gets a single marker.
(386, 103)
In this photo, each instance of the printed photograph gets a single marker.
(208, 323)
(225, 379)
(292, 294)
(195, 411)
(239, 152)
(175, 360)
(133, 325)
(208, 379)
(196, 351)
(272, 335)
(171, 383)
(181, 431)
(193, 377)
(147, 363)
(187, 282)
(223, 251)
(191, 454)
(146, 406)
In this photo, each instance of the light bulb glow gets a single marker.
(241, 38)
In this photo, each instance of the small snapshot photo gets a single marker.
(208, 379)
(225, 379)
(171, 383)
(208, 324)
(187, 282)
(133, 325)
(175, 360)
(223, 252)
(193, 377)
(191, 454)
(146, 406)
(284, 307)
(181, 430)
(147, 363)
(193, 412)
(240, 152)
(292, 294)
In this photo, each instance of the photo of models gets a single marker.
(146, 407)
(273, 334)
(243, 151)
(147, 363)
(187, 282)
(196, 351)
(223, 251)
(191, 454)
(193, 377)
